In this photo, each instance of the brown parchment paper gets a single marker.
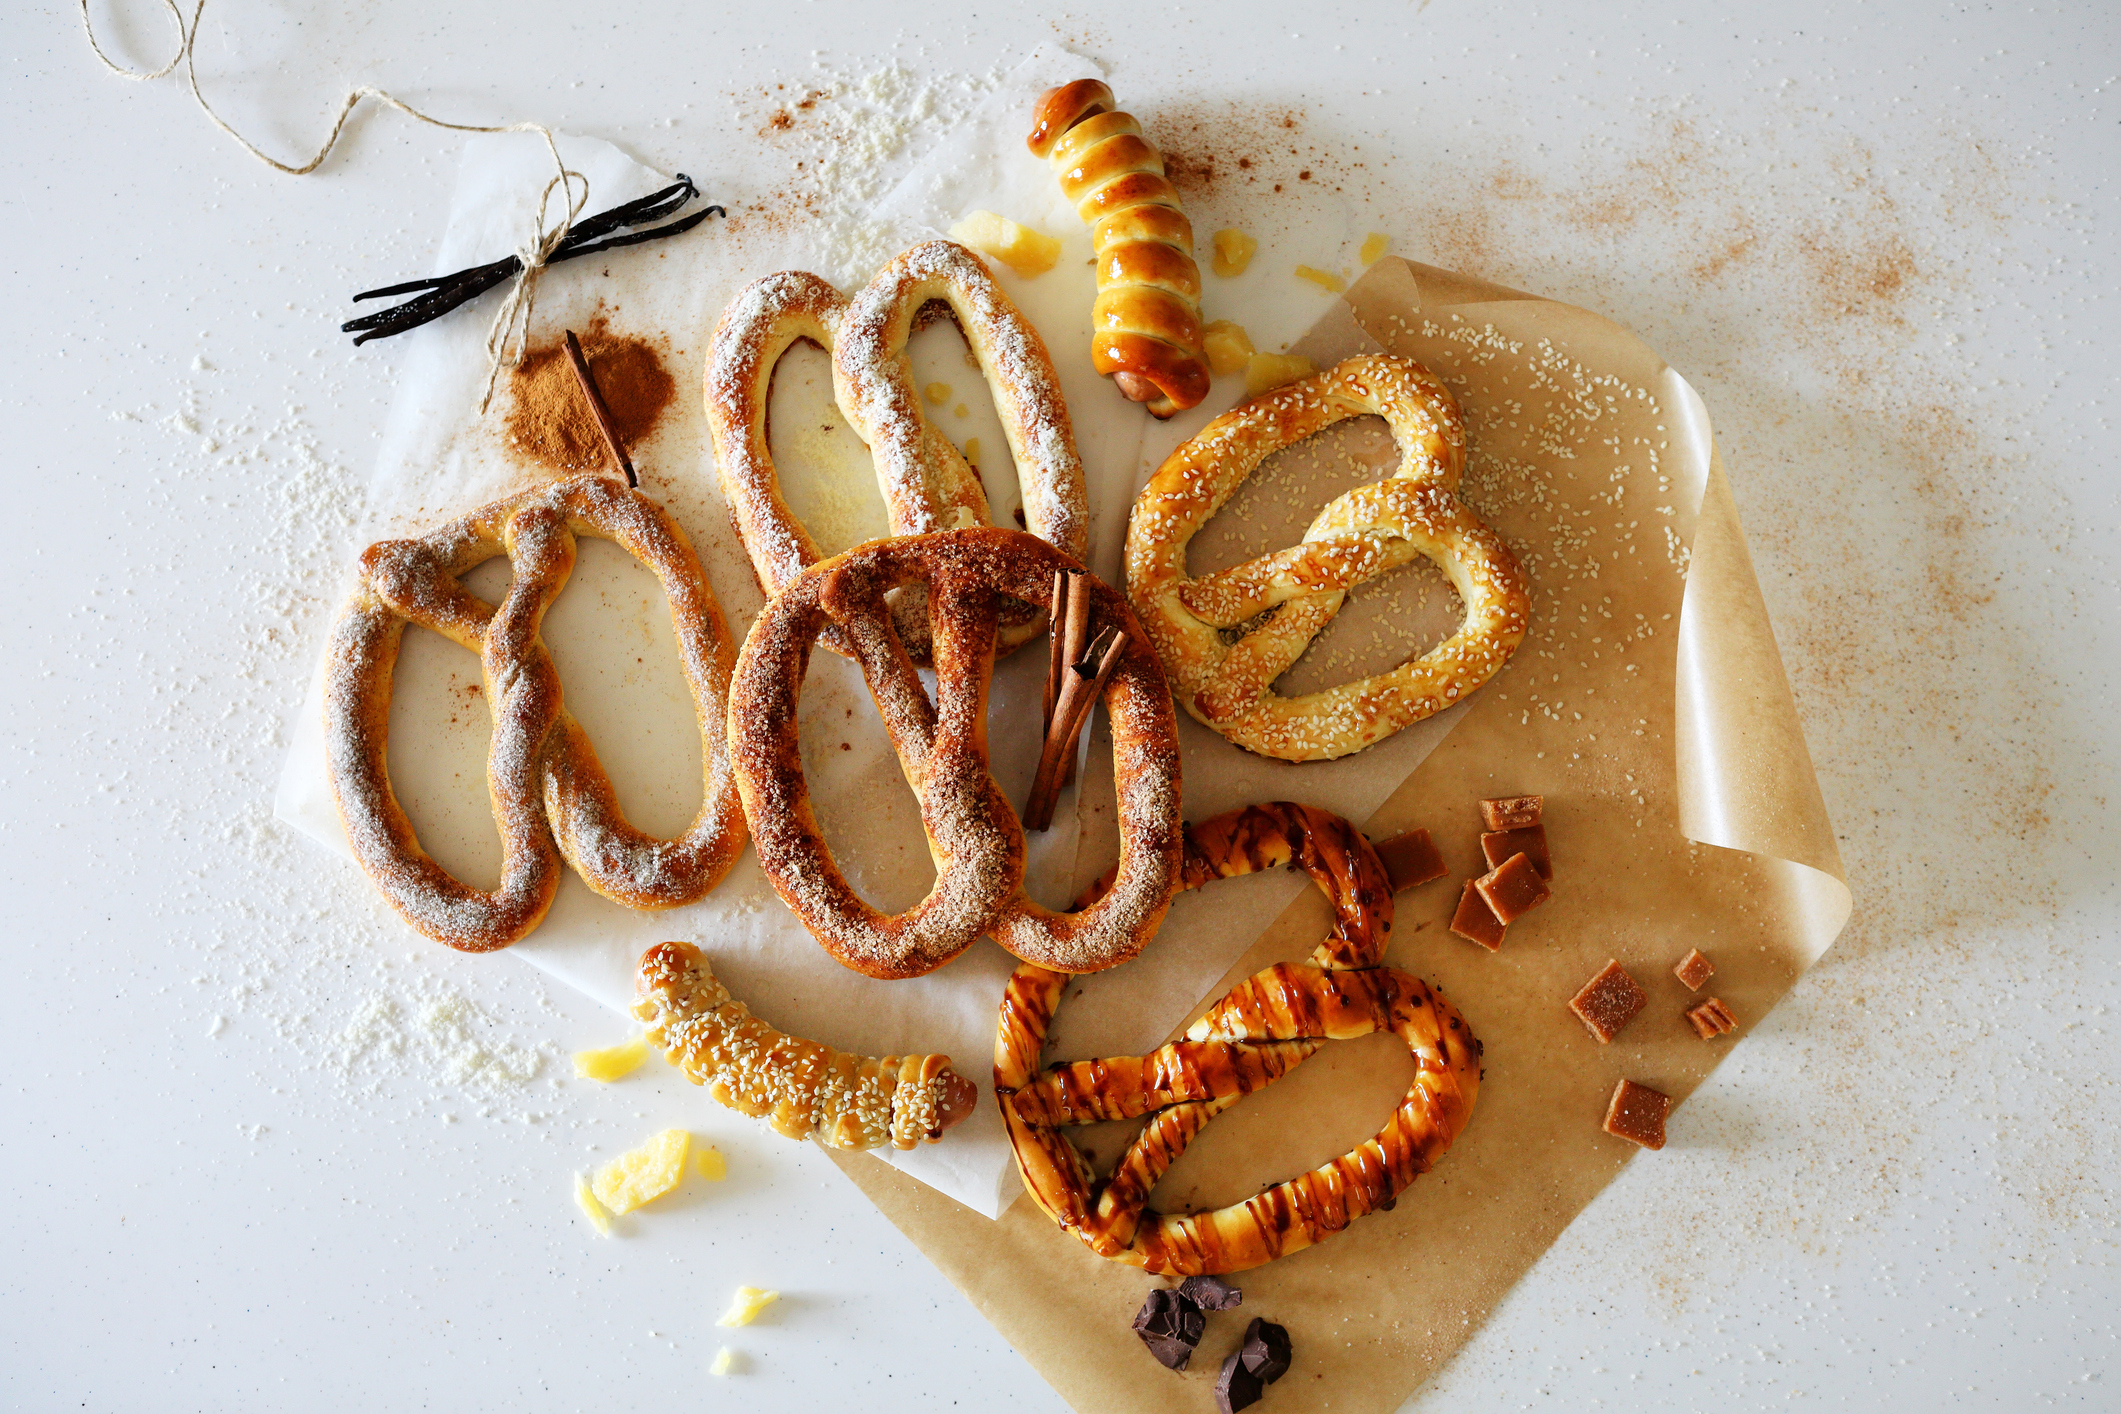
(1650, 707)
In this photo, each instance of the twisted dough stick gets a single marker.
(550, 796)
(1373, 529)
(1261, 1030)
(802, 1087)
(1146, 321)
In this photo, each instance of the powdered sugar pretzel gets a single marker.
(927, 483)
(550, 796)
(1260, 1031)
(806, 1089)
(1370, 530)
(973, 835)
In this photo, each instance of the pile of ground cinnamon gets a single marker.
(549, 420)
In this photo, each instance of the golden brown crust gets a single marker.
(1146, 319)
(551, 797)
(927, 484)
(1365, 533)
(973, 834)
(806, 1089)
(1262, 1029)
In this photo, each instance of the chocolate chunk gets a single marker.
(1236, 1387)
(1512, 812)
(1475, 921)
(1265, 1351)
(1410, 859)
(1170, 1325)
(1211, 1293)
(1531, 842)
(1609, 1001)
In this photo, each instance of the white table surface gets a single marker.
(1880, 240)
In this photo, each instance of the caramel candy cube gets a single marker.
(1513, 888)
(1637, 1114)
(1531, 842)
(1711, 1019)
(1475, 921)
(1411, 858)
(1513, 812)
(1694, 969)
(1609, 1002)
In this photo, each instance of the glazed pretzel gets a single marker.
(1266, 1026)
(805, 1089)
(927, 483)
(1361, 535)
(1146, 320)
(550, 796)
(973, 835)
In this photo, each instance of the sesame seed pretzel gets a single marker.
(973, 834)
(1373, 529)
(926, 481)
(1260, 1031)
(806, 1089)
(551, 798)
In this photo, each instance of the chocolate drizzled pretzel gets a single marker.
(550, 796)
(1371, 530)
(973, 835)
(926, 482)
(1261, 1030)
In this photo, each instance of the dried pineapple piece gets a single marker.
(641, 1175)
(1325, 279)
(1266, 370)
(713, 1167)
(591, 1209)
(1374, 247)
(745, 1306)
(1228, 347)
(1233, 251)
(725, 1362)
(1022, 249)
(611, 1062)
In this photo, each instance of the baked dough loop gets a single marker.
(1146, 329)
(1260, 1031)
(1359, 536)
(927, 483)
(806, 1089)
(973, 834)
(551, 798)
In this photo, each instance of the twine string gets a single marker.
(509, 336)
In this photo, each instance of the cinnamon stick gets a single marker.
(1056, 647)
(599, 407)
(1085, 682)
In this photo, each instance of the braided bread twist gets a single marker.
(1146, 322)
(804, 1088)
(1260, 1031)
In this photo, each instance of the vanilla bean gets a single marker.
(445, 292)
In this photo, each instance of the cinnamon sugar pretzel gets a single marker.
(973, 835)
(1414, 512)
(926, 481)
(1147, 337)
(551, 798)
(805, 1089)
(1261, 1030)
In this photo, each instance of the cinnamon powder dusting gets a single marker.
(549, 420)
